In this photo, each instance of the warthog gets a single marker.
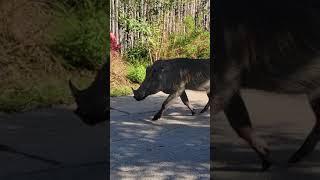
(173, 77)
(92, 105)
(265, 45)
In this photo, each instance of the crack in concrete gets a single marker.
(145, 112)
(32, 156)
(117, 140)
(167, 131)
(128, 113)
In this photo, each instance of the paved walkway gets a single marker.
(284, 121)
(51, 144)
(54, 144)
(174, 147)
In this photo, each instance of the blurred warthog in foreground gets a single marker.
(92, 105)
(173, 77)
(265, 45)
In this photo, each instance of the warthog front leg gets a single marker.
(185, 100)
(167, 103)
(207, 105)
(312, 139)
(238, 117)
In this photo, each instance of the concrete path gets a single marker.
(54, 144)
(174, 147)
(51, 144)
(284, 121)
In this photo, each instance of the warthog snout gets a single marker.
(138, 95)
(90, 108)
(92, 102)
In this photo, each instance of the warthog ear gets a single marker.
(75, 91)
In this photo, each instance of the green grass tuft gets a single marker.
(79, 34)
(120, 91)
(136, 73)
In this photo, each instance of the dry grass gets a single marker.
(23, 39)
(118, 71)
(30, 75)
(119, 83)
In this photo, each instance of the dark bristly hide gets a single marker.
(269, 45)
(92, 105)
(173, 77)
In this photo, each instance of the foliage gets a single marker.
(120, 91)
(136, 72)
(155, 41)
(31, 73)
(80, 33)
(43, 92)
(140, 51)
(133, 24)
(80, 4)
(137, 54)
(195, 43)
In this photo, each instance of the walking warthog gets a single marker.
(92, 105)
(173, 77)
(265, 45)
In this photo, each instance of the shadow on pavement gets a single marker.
(284, 130)
(51, 144)
(175, 146)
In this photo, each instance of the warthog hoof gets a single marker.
(193, 112)
(203, 110)
(156, 117)
(266, 165)
(266, 160)
(294, 159)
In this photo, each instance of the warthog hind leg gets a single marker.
(207, 105)
(312, 139)
(238, 117)
(185, 100)
(166, 104)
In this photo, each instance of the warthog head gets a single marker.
(92, 102)
(155, 76)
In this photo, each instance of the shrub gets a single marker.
(137, 54)
(136, 72)
(79, 4)
(120, 91)
(195, 43)
(80, 33)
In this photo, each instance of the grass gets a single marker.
(33, 75)
(44, 92)
(120, 91)
(136, 72)
(79, 34)
(123, 90)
